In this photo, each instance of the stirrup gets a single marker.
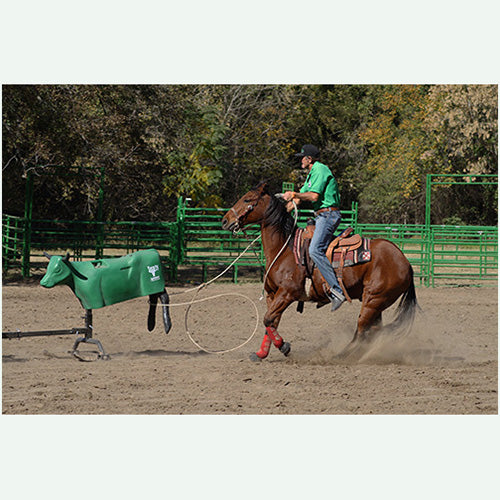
(336, 298)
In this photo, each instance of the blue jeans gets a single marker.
(326, 224)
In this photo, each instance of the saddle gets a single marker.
(345, 250)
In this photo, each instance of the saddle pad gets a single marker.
(297, 245)
(301, 244)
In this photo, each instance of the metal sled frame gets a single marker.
(84, 332)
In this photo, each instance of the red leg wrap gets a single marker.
(264, 347)
(275, 336)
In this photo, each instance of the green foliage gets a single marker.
(213, 142)
(454, 220)
(398, 143)
(195, 170)
(464, 119)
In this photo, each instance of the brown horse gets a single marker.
(377, 283)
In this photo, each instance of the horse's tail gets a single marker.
(405, 312)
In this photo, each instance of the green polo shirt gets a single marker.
(321, 180)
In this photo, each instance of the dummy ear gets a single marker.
(77, 273)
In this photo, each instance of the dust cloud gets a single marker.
(418, 346)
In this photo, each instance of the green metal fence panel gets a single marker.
(463, 254)
(440, 255)
(13, 237)
(204, 243)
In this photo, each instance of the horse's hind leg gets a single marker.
(369, 321)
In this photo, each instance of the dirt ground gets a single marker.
(448, 364)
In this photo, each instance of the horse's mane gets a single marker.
(277, 217)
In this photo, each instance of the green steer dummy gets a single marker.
(99, 283)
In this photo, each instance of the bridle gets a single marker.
(239, 218)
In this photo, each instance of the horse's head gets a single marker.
(249, 209)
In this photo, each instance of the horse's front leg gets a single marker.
(276, 305)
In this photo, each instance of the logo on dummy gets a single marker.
(153, 270)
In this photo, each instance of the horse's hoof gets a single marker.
(254, 357)
(286, 348)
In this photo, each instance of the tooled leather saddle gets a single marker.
(345, 250)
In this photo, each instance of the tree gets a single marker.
(128, 130)
(393, 186)
(214, 142)
(258, 144)
(465, 121)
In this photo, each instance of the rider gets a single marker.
(321, 189)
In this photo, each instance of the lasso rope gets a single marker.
(214, 297)
(204, 285)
